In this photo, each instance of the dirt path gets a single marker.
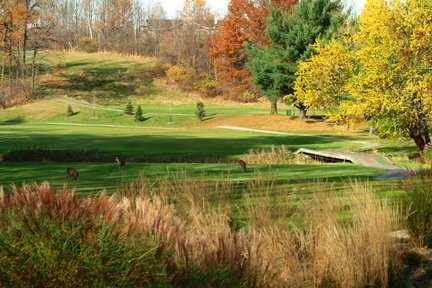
(235, 128)
(365, 144)
(363, 159)
(107, 126)
(393, 174)
(68, 100)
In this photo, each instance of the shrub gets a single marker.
(178, 239)
(200, 111)
(70, 111)
(428, 156)
(181, 76)
(247, 97)
(418, 208)
(207, 86)
(129, 110)
(88, 45)
(39, 155)
(15, 92)
(51, 239)
(139, 114)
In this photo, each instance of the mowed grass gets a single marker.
(160, 143)
(95, 177)
(170, 131)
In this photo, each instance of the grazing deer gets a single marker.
(242, 165)
(120, 162)
(72, 174)
(230, 220)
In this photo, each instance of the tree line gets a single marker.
(377, 69)
(308, 54)
(315, 54)
(123, 26)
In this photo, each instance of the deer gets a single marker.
(230, 220)
(72, 174)
(243, 165)
(120, 162)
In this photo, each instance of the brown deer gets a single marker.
(120, 162)
(242, 164)
(230, 220)
(72, 174)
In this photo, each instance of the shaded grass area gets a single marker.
(159, 143)
(98, 176)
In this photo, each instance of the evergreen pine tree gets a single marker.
(274, 68)
(200, 111)
(129, 109)
(139, 115)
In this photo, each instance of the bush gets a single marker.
(139, 114)
(247, 97)
(88, 45)
(54, 239)
(40, 155)
(181, 76)
(200, 111)
(15, 92)
(129, 110)
(207, 86)
(418, 208)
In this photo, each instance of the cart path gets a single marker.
(364, 159)
(365, 144)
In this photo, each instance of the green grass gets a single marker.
(95, 177)
(171, 130)
(159, 143)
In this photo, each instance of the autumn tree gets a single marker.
(394, 79)
(22, 24)
(245, 23)
(321, 81)
(291, 41)
(192, 36)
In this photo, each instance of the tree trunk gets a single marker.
(302, 110)
(89, 25)
(302, 113)
(420, 142)
(24, 48)
(3, 68)
(10, 70)
(25, 37)
(425, 131)
(34, 70)
(274, 108)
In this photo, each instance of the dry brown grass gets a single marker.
(354, 255)
(16, 93)
(276, 155)
(327, 250)
(272, 122)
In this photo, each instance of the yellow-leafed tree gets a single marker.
(393, 81)
(321, 80)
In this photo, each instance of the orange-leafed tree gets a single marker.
(244, 23)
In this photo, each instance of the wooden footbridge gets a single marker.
(368, 160)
